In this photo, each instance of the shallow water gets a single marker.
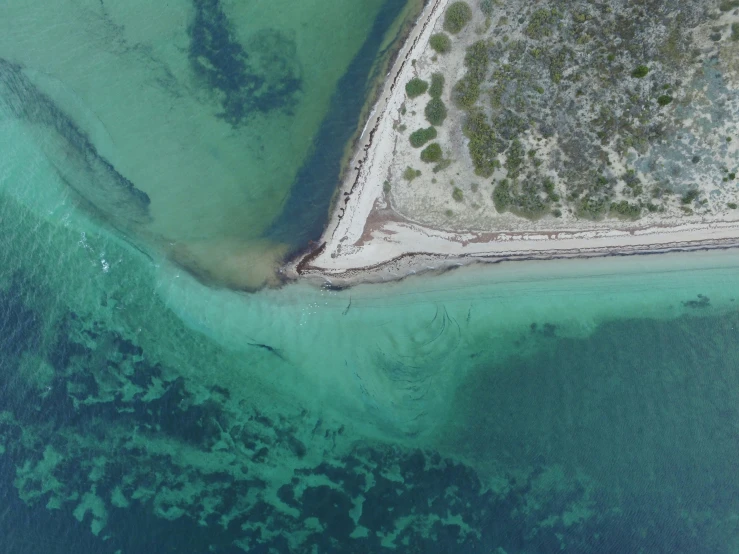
(578, 406)
(186, 124)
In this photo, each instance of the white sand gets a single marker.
(368, 240)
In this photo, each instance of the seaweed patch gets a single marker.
(261, 76)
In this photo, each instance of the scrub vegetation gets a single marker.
(435, 112)
(409, 174)
(441, 43)
(574, 108)
(422, 136)
(457, 15)
(437, 85)
(432, 153)
(416, 87)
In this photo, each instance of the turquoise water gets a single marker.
(564, 406)
(186, 124)
(588, 406)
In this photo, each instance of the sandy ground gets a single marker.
(374, 235)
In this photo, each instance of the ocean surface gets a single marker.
(158, 156)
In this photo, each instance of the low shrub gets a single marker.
(441, 43)
(465, 93)
(467, 90)
(457, 194)
(483, 145)
(442, 165)
(409, 174)
(432, 153)
(625, 210)
(664, 99)
(689, 196)
(515, 158)
(523, 200)
(640, 71)
(435, 111)
(457, 15)
(502, 197)
(416, 87)
(437, 85)
(476, 60)
(541, 23)
(422, 136)
(592, 207)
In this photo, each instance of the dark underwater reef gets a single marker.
(260, 76)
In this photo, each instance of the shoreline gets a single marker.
(429, 263)
(367, 241)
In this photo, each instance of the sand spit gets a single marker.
(369, 239)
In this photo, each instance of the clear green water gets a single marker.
(573, 406)
(208, 108)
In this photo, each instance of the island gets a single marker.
(519, 130)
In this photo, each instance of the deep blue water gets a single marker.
(623, 441)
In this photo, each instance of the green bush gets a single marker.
(732, 205)
(441, 166)
(441, 43)
(664, 99)
(432, 153)
(735, 31)
(523, 200)
(548, 185)
(515, 158)
(487, 7)
(689, 196)
(435, 111)
(640, 71)
(437, 85)
(422, 136)
(457, 194)
(465, 93)
(541, 23)
(416, 87)
(456, 17)
(502, 197)
(624, 210)
(476, 60)
(483, 146)
(409, 174)
(467, 90)
(592, 207)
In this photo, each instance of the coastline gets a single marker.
(366, 240)
(440, 254)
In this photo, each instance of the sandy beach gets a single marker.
(371, 237)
